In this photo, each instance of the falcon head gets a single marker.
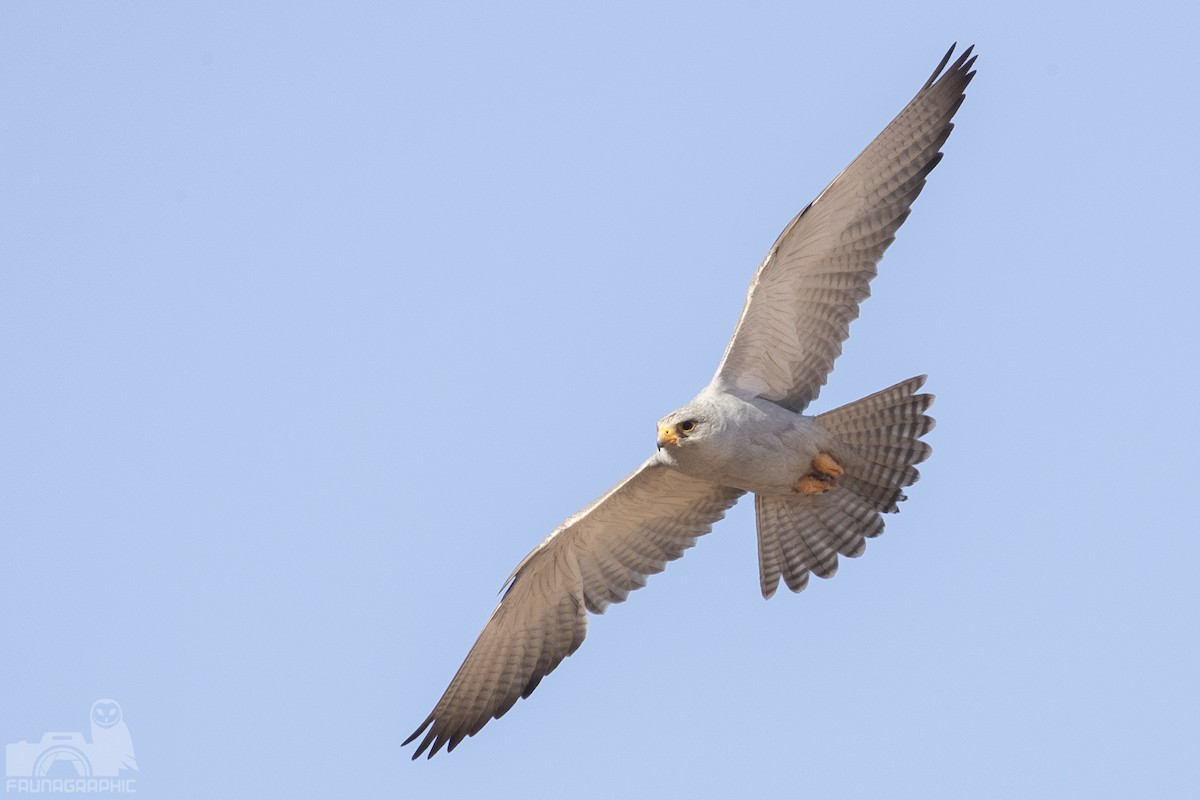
(678, 426)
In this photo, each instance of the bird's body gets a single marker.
(744, 442)
(821, 483)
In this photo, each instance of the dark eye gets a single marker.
(687, 426)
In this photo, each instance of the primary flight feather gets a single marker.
(820, 482)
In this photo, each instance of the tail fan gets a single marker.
(878, 445)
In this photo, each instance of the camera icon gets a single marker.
(61, 755)
(70, 755)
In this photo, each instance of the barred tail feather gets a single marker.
(878, 446)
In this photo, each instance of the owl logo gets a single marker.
(69, 755)
(112, 747)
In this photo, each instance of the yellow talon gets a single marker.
(823, 478)
(811, 484)
(825, 465)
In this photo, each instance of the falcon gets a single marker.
(820, 483)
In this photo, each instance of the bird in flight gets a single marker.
(820, 483)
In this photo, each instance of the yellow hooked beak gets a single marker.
(667, 436)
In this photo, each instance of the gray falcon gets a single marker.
(820, 483)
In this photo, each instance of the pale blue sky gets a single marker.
(315, 318)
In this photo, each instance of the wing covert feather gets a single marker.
(593, 559)
(807, 291)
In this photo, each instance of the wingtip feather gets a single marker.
(428, 721)
(961, 66)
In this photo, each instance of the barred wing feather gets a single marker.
(593, 559)
(807, 291)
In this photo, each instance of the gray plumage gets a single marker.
(878, 444)
(821, 483)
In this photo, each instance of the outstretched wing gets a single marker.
(807, 291)
(594, 558)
